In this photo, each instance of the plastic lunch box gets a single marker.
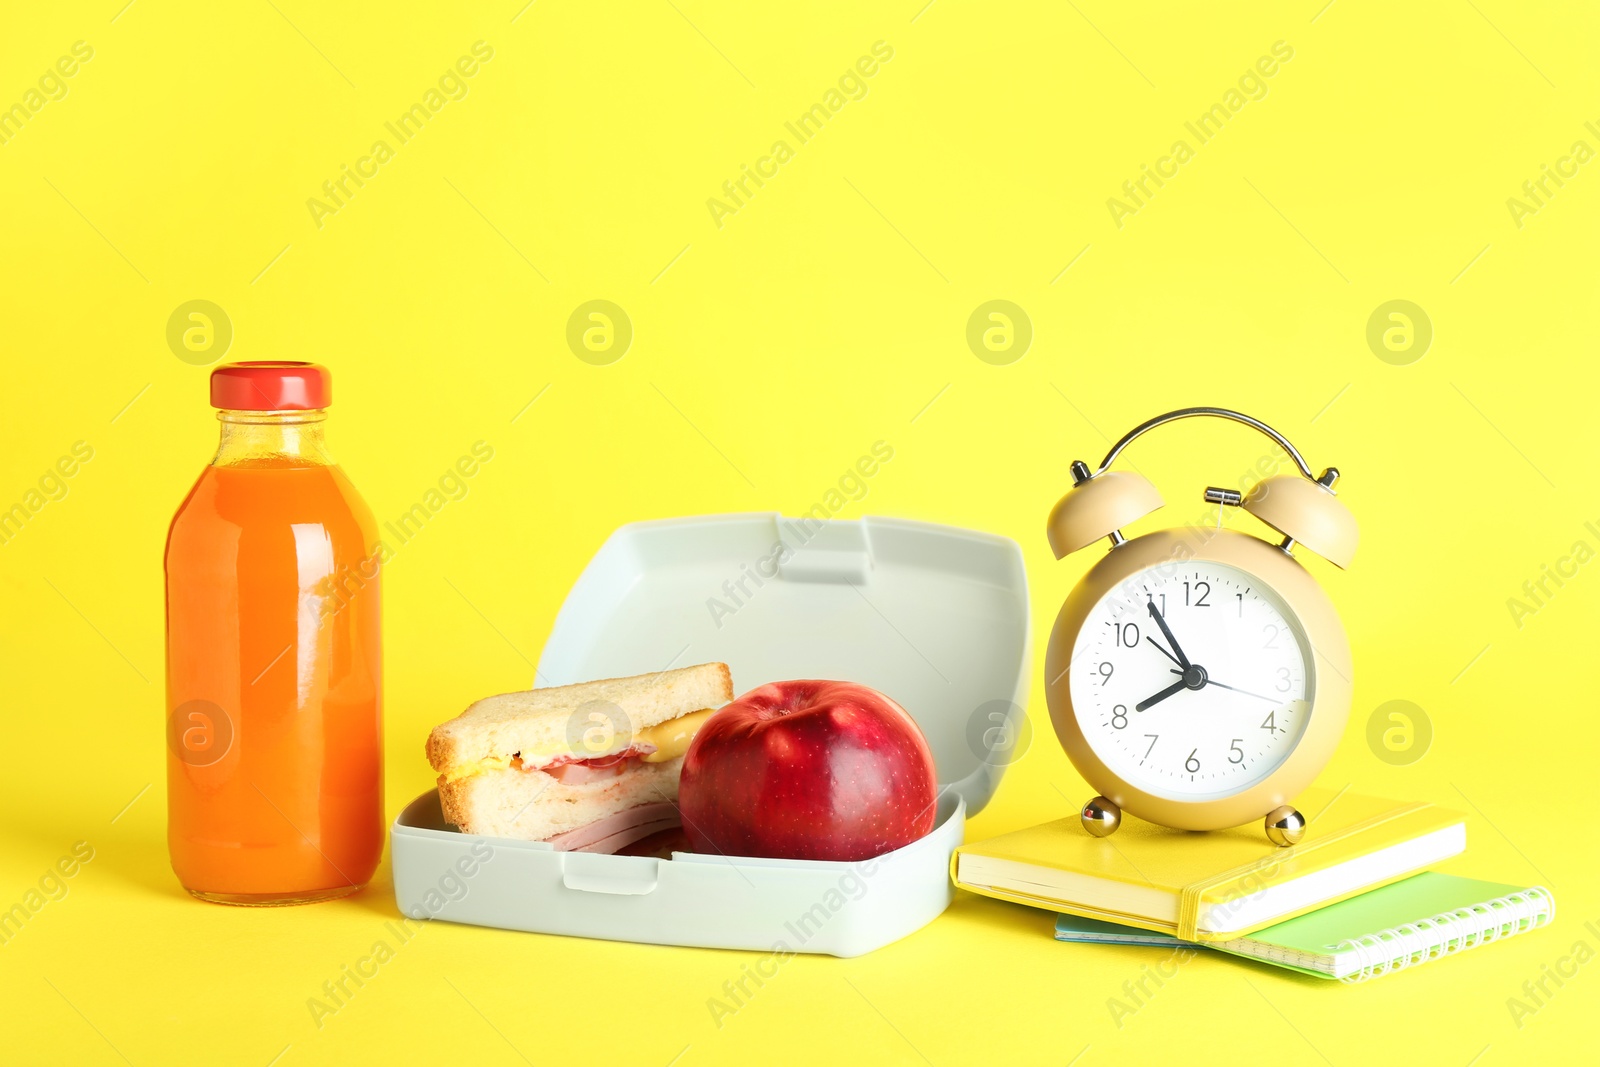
(934, 616)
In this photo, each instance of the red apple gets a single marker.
(810, 770)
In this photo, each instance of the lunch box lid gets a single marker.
(934, 616)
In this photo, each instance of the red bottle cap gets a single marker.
(271, 385)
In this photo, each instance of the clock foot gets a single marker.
(1101, 817)
(1285, 826)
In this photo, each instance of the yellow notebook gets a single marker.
(1212, 886)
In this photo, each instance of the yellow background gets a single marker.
(825, 315)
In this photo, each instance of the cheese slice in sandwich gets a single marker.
(592, 766)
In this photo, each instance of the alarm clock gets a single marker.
(1199, 677)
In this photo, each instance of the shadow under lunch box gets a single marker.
(934, 616)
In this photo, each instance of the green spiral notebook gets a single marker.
(1402, 925)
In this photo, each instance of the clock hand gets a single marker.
(1246, 692)
(1236, 689)
(1178, 657)
(1157, 646)
(1149, 702)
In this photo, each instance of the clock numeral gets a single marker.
(1201, 589)
(1283, 680)
(1153, 739)
(1119, 711)
(1163, 597)
(1271, 722)
(1240, 597)
(1192, 764)
(1105, 672)
(1126, 634)
(1272, 638)
(1235, 750)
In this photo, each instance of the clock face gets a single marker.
(1192, 681)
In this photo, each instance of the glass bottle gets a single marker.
(274, 661)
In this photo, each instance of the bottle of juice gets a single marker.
(274, 668)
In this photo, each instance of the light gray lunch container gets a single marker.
(934, 616)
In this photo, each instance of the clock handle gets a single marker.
(1219, 413)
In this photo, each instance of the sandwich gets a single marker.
(592, 766)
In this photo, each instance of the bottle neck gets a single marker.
(272, 439)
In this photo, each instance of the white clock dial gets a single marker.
(1206, 706)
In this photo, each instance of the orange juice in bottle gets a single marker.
(274, 664)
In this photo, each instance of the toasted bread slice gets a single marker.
(589, 720)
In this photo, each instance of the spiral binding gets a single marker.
(1447, 933)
